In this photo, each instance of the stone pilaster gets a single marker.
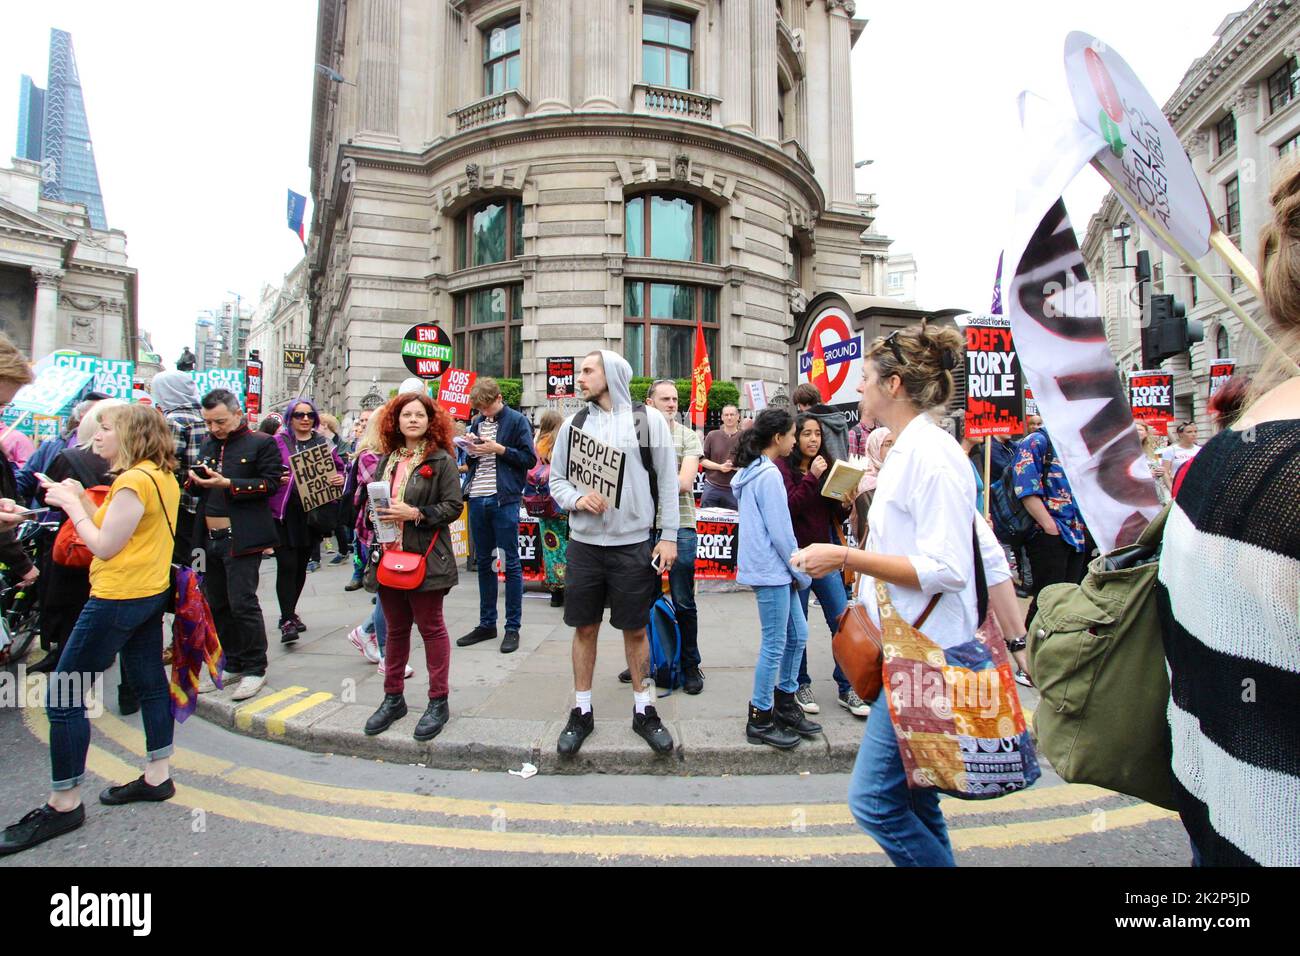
(439, 102)
(45, 323)
(603, 55)
(1252, 167)
(763, 72)
(378, 80)
(736, 84)
(552, 19)
(842, 196)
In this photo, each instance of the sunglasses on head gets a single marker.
(891, 340)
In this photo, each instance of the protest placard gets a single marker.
(1151, 396)
(559, 378)
(1220, 372)
(453, 394)
(994, 385)
(757, 392)
(595, 467)
(54, 390)
(426, 350)
(718, 545)
(312, 470)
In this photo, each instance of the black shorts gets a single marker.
(618, 577)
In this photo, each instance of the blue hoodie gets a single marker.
(766, 533)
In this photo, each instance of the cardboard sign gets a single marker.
(453, 394)
(1151, 395)
(53, 392)
(595, 467)
(559, 378)
(459, 531)
(426, 350)
(295, 360)
(1220, 372)
(757, 393)
(312, 470)
(994, 399)
(718, 536)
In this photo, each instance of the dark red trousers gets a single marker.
(424, 610)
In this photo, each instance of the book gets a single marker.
(841, 482)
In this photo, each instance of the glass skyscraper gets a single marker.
(53, 131)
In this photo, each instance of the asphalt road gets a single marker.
(246, 802)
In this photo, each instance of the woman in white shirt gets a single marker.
(919, 545)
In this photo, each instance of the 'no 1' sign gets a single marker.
(426, 350)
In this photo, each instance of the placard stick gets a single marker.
(1191, 263)
(988, 472)
(17, 421)
(1236, 261)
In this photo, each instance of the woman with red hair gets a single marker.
(424, 488)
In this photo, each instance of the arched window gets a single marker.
(488, 324)
(1222, 347)
(676, 227)
(492, 231)
(669, 311)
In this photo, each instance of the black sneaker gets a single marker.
(692, 680)
(626, 676)
(297, 622)
(477, 636)
(288, 632)
(579, 728)
(510, 643)
(652, 730)
(43, 823)
(137, 790)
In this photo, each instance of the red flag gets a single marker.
(701, 379)
(817, 374)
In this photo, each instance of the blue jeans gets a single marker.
(830, 593)
(785, 632)
(134, 628)
(493, 526)
(908, 824)
(378, 627)
(681, 581)
(715, 497)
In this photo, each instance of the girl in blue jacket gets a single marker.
(766, 543)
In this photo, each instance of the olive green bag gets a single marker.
(1097, 658)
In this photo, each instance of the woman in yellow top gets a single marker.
(130, 536)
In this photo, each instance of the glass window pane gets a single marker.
(679, 69)
(512, 36)
(634, 300)
(672, 229)
(652, 64)
(489, 224)
(709, 307)
(517, 304)
(634, 347)
(711, 343)
(634, 227)
(459, 312)
(709, 235)
(517, 245)
(516, 349)
(672, 302)
(670, 350)
(488, 306)
(655, 27)
(490, 352)
(461, 225)
(679, 32)
(512, 73)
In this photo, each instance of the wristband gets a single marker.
(1016, 643)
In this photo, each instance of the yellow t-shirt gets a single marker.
(143, 567)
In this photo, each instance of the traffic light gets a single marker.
(1168, 331)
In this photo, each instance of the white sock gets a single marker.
(584, 701)
(643, 699)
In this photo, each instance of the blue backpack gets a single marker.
(665, 646)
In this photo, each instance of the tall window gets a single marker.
(1221, 346)
(501, 58)
(669, 311)
(677, 227)
(1226, 129)
(667, 46)
(492, 231)
(1232, 207)
(1287, 148)
(1283, 85)
(488, 336)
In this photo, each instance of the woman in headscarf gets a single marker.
(879, 442)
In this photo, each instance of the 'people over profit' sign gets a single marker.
(595, 467)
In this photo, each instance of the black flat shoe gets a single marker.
(626, 676)
(651, 729)
(692, 680)
(477, 636)
(579, 728)
(43, 823)
(432, 720)
(137, 791)
(510, 643)
(390, 711)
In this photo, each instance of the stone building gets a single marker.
(1237, 113)
(63, 284)
(545, 177)
(280, 323)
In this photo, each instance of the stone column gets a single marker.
(763, 72)
(380, 35)
(602, 56)
(1252, 168)
(1198, 148)
(45, 322)
(736, 85)
(552, 18)
(842, 196)
(438, 105)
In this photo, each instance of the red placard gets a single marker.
(453, 392)
(1220, 372)
(718, 547)
(994, 400)
(559, 378)
(1151, 396)
(253, 390)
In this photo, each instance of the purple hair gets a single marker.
(300, 400)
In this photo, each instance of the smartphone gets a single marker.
(654, 563)
(29, 512)
(201, 471)
(42, 476)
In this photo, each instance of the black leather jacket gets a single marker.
(251, 461)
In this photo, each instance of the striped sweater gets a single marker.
(1230, 606)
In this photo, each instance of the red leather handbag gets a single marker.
(404, 570)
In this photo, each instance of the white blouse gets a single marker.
(924, 510)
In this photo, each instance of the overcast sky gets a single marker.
(200, 116)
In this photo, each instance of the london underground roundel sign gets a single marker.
(426, 350)
(842, 347)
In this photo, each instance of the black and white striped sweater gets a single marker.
(1230, 602)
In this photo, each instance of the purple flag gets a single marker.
(997, 289)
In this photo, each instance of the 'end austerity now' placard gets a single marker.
(596, 467)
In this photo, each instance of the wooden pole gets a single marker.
(988, 471)
(17, 421)
(1237, 261)
(1194, 265)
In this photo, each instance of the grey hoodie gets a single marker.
(632, 522)
(174, 390)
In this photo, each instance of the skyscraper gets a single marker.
(53, 130)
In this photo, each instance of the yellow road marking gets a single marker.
(244, 715)
(275, 722)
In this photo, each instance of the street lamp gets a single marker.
(334, 76)
(863, 162)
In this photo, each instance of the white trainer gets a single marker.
(371, 648)
(410, 671)
(248, 686)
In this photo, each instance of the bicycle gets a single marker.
(20, 613)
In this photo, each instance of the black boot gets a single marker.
(763, 729)
(47, 663)
(790, 714)
(433, 720)
(557, 598)
(390, 711)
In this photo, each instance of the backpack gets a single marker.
(1096, 655)
(665, 646)
(69, 550)
(1012, 523)
(537, 492)
(642, 438)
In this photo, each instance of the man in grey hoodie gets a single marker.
(610, 555)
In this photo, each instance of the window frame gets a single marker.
(1222, 343)
(702, 211)
(712, 327)
(1279, 96)
(464, 329)
(485, 32)
(680, 16)
(463, 253)
(1225, 133)
(1288, 146)
(1232, 206)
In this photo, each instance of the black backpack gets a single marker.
(642, 438)
(1012, 522)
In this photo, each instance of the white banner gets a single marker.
(1061, 340)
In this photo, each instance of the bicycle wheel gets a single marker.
(22, 622)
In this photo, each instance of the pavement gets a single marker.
(509, 709)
